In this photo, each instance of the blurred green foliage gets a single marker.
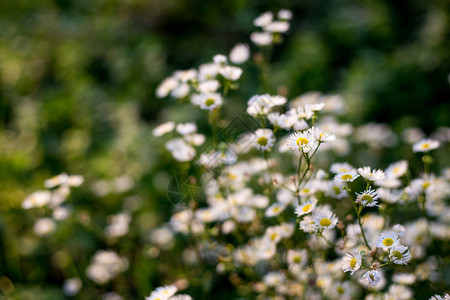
(77, 82)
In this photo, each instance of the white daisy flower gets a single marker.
(388, 239)
(208, 86)
(324, 219)
(163, 128)
(275, 209)
(207, 71)
(284, 14)
(163, 292)
(314, 106)
(397, 169)
(371, 175)
(263, 19)
(400, 254)
(437, 297)
(186, 128)
(185, 75)
(239, 54)
(302, 141)
(372, 277)
(352, 262)
(297, 257)
(307, 224)
(341, 167)
(322, 136)
(264, 139)
(368, 198)
(277, 26)
(37, 199)
(219, 59)
(166, 87)
(261, 38)
(231, 73)
(306, 207)
(426, 145)
(207, 101)
(347, 176)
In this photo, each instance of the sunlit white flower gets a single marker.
(44, 227)
(438, 297)
(322, 136)
(37, 199)
(207, 101)
(352, 262)
(274, 278)
(163, 128)
(400, 254)
(180, 91)
(208, 71)
(208, 86)
(163, 292)
(72, 286)
(185, 75)
(397, 169)
(388, 239)
(275, 209)
(324, 219)
(284, 14)
(372, 277)
(263, 139)
(166, 87)
(371, 175)
(425, 145)
(368, 198)
(341, 167)
(347, 176)
(302, 141)
(306, 207)
(230, 72)
(297, 257)
(239, 54)
(219, 59)
(264, 19)
(277, 26)
(186, 128)
(261, 38)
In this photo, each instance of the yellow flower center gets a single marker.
(396, 170)
(232, 176)
(340, 290)
(353, 263)
(425, 185)
(347, 177)
(388, 242)
(325, 222)
(273, 236)
(397, 254)
(367, 198)
(306, 208)
(276, 209)
(305, 190)
(337, 190)
(209, 102)
(262, 141)
(425, 146)
(302, 141)
(297, 259)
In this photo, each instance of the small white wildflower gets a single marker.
(261, 38)
(239, 54)
(371, 175)
(425, 145)
(263, 139)
(372, 277)
(352, 262)
(388, 239)
(368, 198)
